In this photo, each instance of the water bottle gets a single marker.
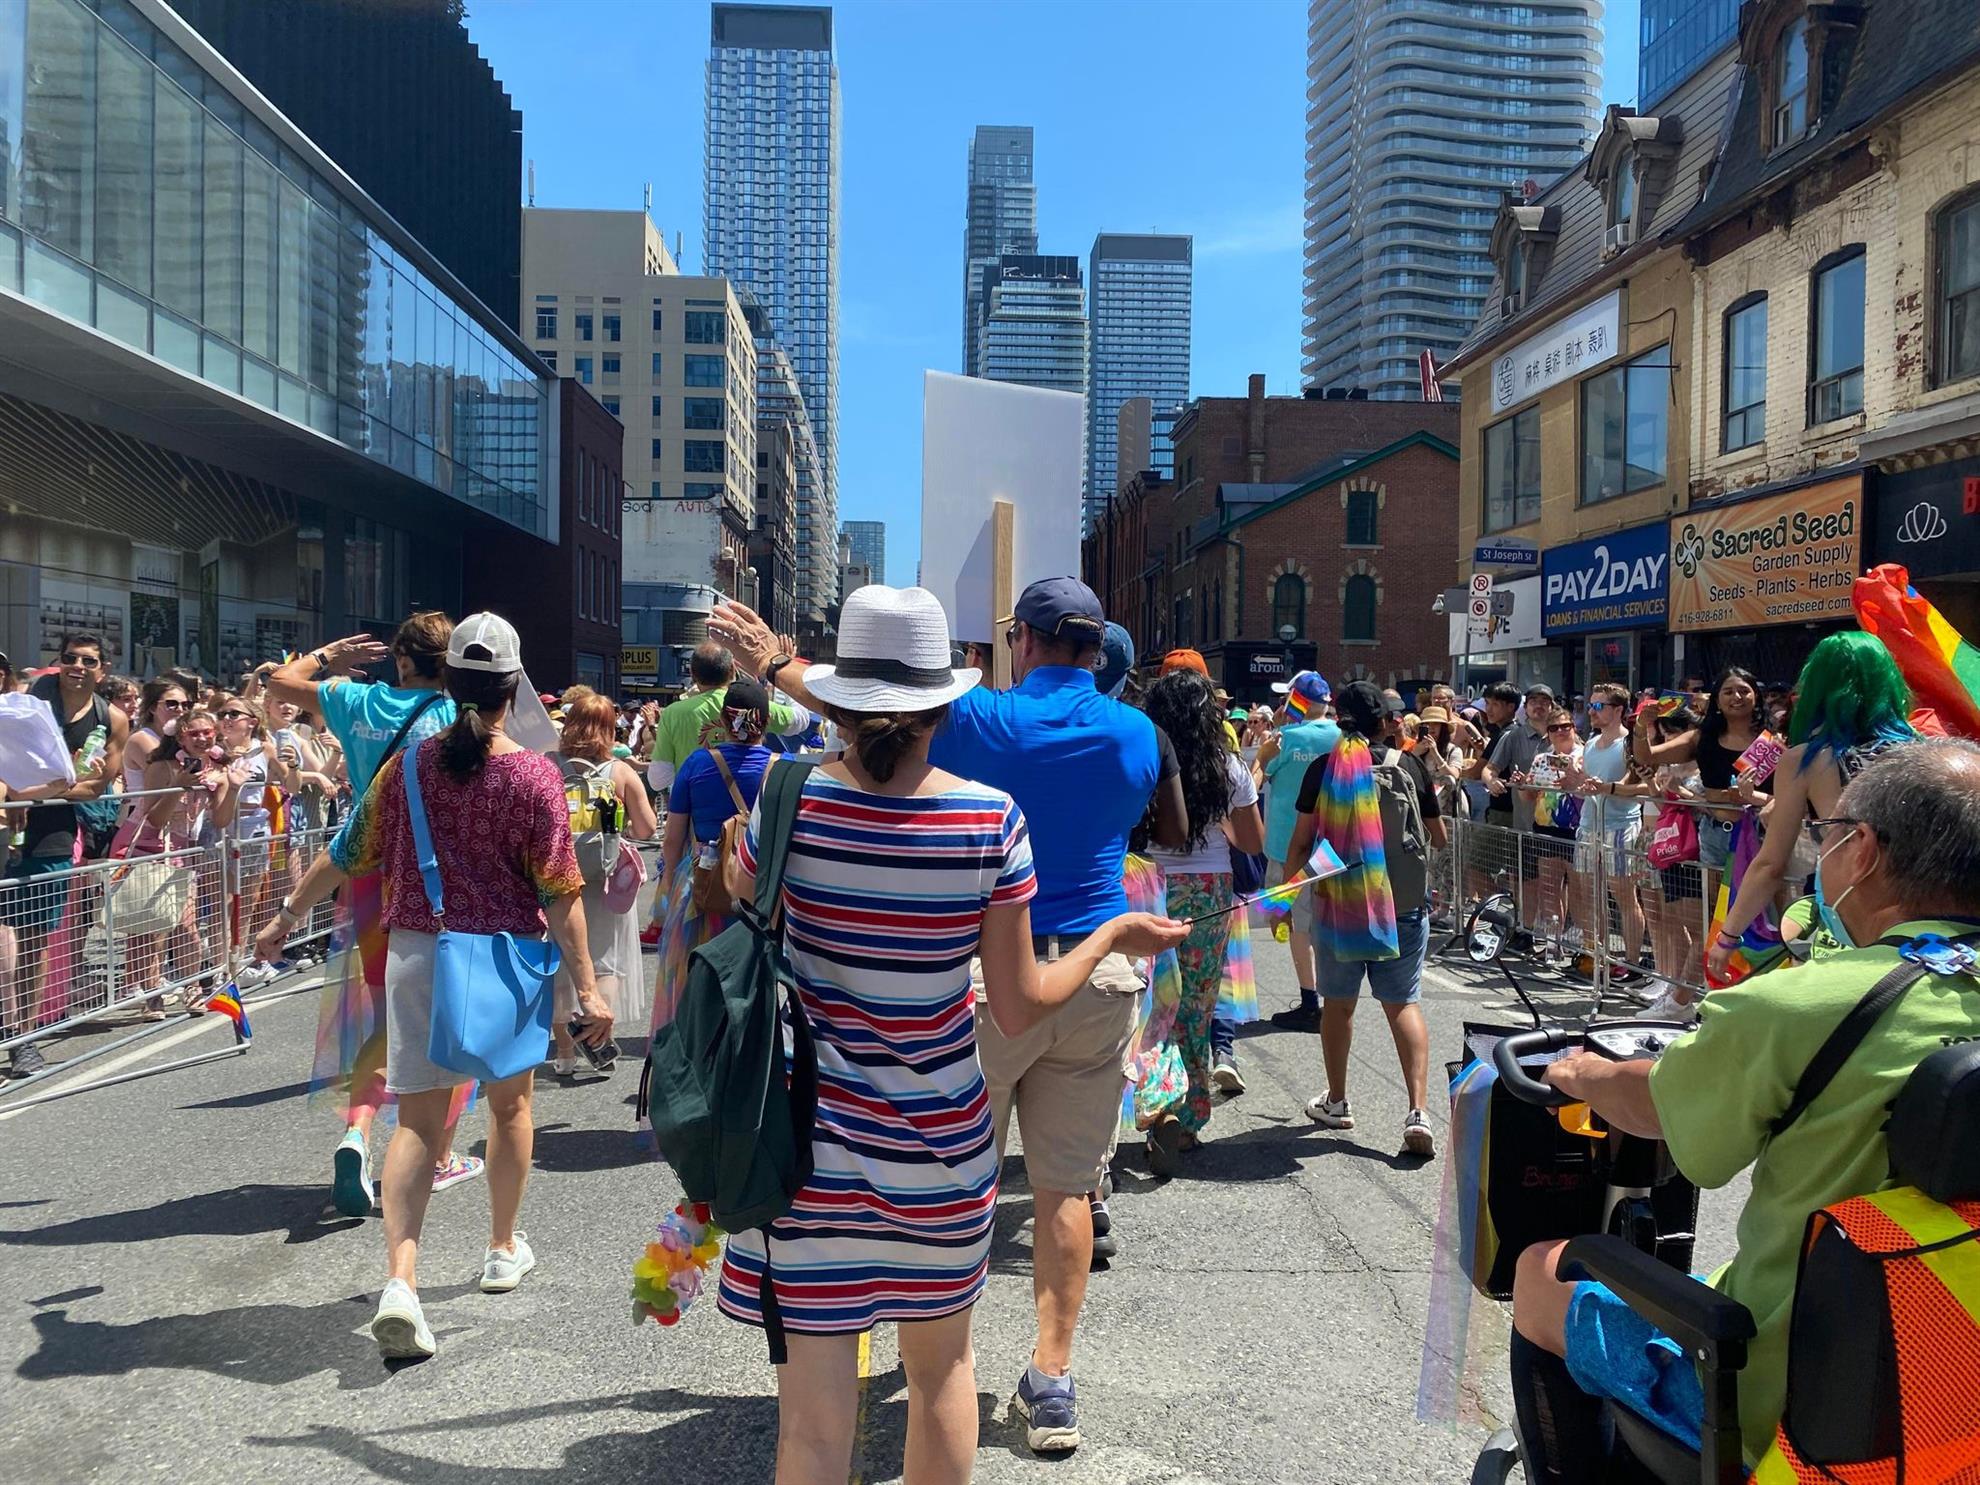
(93, 748)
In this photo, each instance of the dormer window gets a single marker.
(1516, 273)
(1622, 195)
(1791, 84)
(1522, 239)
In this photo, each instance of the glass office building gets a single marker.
(770, 223)
(869, 547)
(1140, 287)
(1678, 37)
(140, 197)
(240, 408)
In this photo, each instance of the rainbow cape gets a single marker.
(1353, 910)
(1941, 668)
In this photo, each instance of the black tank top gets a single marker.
(1715, 766)
(51, 826)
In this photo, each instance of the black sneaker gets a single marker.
(1298, 1018)
(1105, 1244)
(25, 1061)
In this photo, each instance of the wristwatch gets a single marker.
(288, 912)
(777, 663)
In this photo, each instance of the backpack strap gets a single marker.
(429, 864)
(722, 767)
(399, 738)
(1848, 1036)
(783, 790)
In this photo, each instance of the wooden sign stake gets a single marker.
(1003, 597)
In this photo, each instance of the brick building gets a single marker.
(1329, 518)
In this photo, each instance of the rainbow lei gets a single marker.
(669, 1275)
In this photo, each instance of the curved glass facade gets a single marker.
(1417, 108)
(140, 197)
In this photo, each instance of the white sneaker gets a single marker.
(400, 1326)
(563, 1067)
(501, 1272)
(1225, 1075)
(1418, 1138)
(1330, 1112)
(1667, 1007)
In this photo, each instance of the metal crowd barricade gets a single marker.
(1581, 906)
(83, 943)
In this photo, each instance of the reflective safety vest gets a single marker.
(1883, 1347)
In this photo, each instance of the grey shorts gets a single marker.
(409, 1016)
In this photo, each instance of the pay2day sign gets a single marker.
(1621, 581)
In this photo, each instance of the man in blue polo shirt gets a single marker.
(1083, 768)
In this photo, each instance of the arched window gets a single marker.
(1957, 344)
(1358, 608)
(1362, 524)
(1289, 604)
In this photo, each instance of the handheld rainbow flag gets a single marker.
(1941, 668)
(1323, 863)
(1299, 706)
(1760, 947)
(228, 1003)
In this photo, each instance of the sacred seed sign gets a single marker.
(1781, 559)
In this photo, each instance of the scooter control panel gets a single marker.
(1633, 1041)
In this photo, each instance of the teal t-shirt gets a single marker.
(1718, 1089)
(365, 719)
(1299, 745)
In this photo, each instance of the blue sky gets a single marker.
(1150, 114)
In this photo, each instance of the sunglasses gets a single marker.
(1600, 706)
(1560, 727)
(87, 662)
(1011, 635)
(1822, 831)
(229, 716)
(177, 706)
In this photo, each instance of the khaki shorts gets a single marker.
(1302, 905)
(1063, 1077)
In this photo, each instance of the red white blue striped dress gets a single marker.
(884, 901)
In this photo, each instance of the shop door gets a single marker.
(1610, 659)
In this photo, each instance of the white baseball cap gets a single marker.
(485, 641)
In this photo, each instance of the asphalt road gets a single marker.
(178, 1302)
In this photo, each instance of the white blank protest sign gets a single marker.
(983, 441)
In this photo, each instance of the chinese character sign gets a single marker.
(1573, 344)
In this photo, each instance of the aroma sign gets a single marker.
(1782, 559)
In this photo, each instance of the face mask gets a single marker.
(1830, 911)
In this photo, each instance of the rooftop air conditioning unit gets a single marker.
(1510, 305)
(1616, 238)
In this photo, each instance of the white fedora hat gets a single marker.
(893, 655)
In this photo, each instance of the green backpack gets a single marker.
(730, 1112)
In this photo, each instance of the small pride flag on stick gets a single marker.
(227, 1003)
(1323, 863)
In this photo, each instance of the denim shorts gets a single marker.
(1397, 981)
(1715, 836)
(1614, 1352)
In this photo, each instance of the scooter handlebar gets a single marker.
(1519, 1082)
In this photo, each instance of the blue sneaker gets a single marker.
(350, 1188)
(1051, 1413)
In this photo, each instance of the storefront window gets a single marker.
(1625, 427)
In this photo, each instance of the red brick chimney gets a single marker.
(1254, 442)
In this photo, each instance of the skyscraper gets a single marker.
(1002, 211)
(770, 223)
(869, 547)
(1034, 322)
(1140, 287)
(1678, 37)
(1420, 119)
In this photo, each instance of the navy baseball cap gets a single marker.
(1116, 660)
(1062, 607)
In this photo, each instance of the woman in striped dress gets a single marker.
(897, 875)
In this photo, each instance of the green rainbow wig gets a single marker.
(1850, 693)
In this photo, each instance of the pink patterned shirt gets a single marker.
(503, 840)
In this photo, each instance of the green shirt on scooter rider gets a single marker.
(1718, 1090)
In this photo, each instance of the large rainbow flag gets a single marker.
(1941, 668)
